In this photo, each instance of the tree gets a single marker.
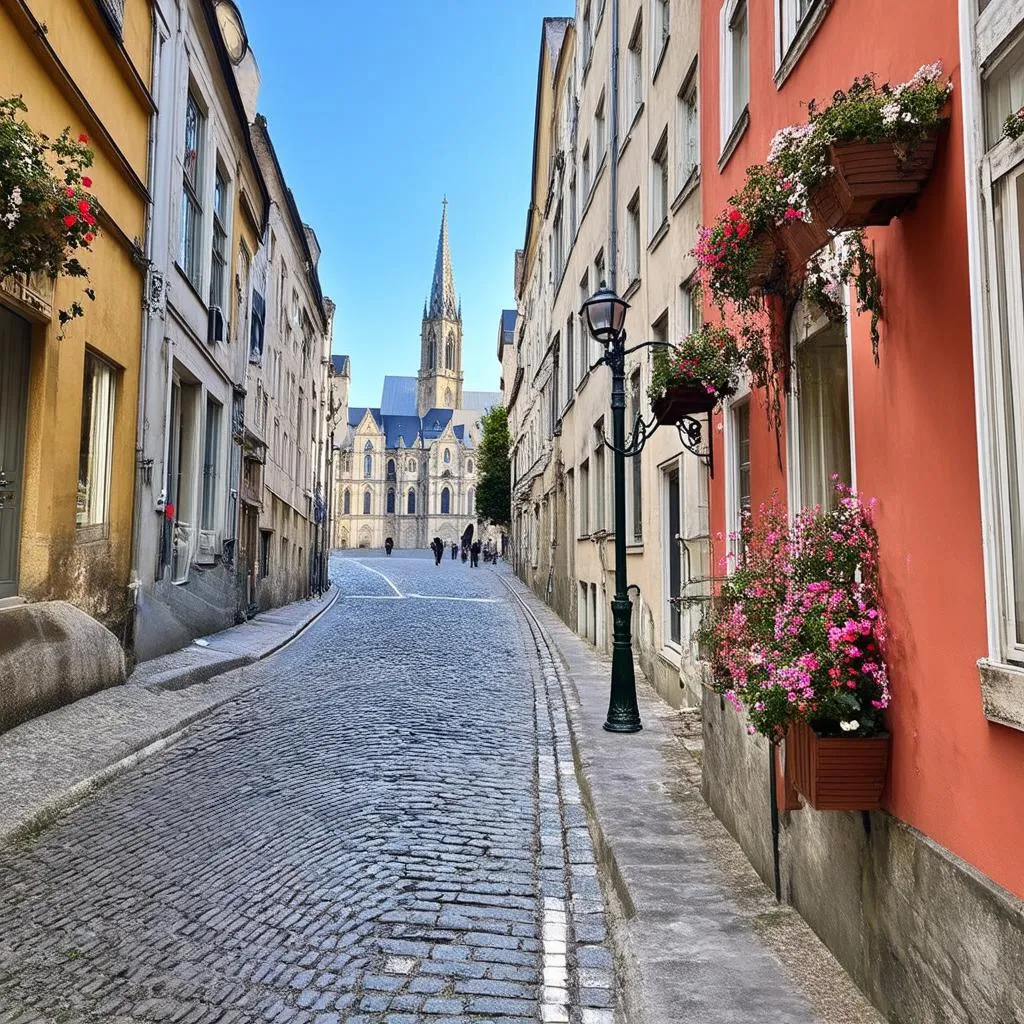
(494, 491)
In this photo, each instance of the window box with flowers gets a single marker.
(796, 639)
(696, 375)
(47, 213)
(866, 156)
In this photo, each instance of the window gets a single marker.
(411, 465)
(411, 502)
(96, 448)
(600, 133)
(572, 212)
(219, 259)
(557, 246)
(211, 458)
(446, 501)
(633, 242)
(634, 92)
(790, 16)
(585, 341)
(391, 501)
(600, 481)
(471, 502)
(820, 417)
(555, 371)
(585, 170)
(367, 498)
(739, 475)
(346, 502)
(469, 465)
(570, 356)
(673, 520)
(690, 314)
(265, 537)
(637, 480)
(586, 34)
(367, 459)
(391, 469)
(585, 498)
(687, 132)
(660, 22)
(449, 352)
(447, 456)
(735, 65)
(659, 185)
(191, 205)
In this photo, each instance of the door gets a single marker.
(673, 547)
(15, 337)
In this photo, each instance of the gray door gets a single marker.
(15, 336)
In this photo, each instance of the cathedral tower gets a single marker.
(440, 376)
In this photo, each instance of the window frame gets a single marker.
(731, 112)
(96, 525)
(220, 209)
(688, 130)
(633, 94)
(634, 240)
(661, 25)
(659, 188)
(190, 259)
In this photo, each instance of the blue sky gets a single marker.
(377, 110)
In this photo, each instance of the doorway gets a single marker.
(15, 338)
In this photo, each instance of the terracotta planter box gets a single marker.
(683, 400)
(802, 239)
(841, 773)
(871, 183)
(768, 248)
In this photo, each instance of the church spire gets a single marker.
(443, 301)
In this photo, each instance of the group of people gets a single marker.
(470, 551)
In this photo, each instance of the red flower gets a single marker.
(727, 231)
(735, 215)
(89, 238)
(743, 230)
(70, 220)
(83, 139)
(89, 219)
(87, 182)
(69, 192)
(83, 206)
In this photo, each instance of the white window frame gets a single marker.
(100, 474)
(733, 513)
(634, 91)
(992, 169)
(788, 23)
(600, 133)
(689, 316)
(191, 256)
(658, 195)
(634, 239)
(661, 21)
(731, 108)
(688, 131)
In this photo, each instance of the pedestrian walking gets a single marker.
(465, 553)
(455, 550)
(474, 551)
(437, 546)
(388, 545)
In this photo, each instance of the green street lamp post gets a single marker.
(606, 313)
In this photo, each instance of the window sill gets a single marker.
(812, 21)
(638, 113)
(192, 287)
(1002, 693)
(95, 534)
(660, 60)
(658, 236)
(689, 187)
(671, 655)
(739, 129)
(636, 548)
(633, 288)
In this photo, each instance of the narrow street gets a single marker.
(374, 833)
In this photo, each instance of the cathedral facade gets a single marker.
(407, 468)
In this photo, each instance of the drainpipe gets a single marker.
(612, 265)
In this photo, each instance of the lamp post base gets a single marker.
(623, 713)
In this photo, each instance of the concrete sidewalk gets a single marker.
(56, 760)
(698, 937)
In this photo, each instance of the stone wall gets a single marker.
(925, 935)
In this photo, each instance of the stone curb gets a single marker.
(157, 740)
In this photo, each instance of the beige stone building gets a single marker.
(615, 198)
(407, 467)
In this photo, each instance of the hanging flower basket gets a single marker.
(802, 238)
(837, 773)
(682, 400)
(872, 182)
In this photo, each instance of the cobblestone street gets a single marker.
(387, 829)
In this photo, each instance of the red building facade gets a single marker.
(930, 433)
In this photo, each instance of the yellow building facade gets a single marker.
(68, 426)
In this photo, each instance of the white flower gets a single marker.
(927, 73)
(849, 726)
(890, 112)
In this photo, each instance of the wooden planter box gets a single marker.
(684, 400)
(768, 249)
(802, 239)
(871, 182)
(841, 773)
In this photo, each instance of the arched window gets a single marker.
(449, 353)
(366, 503)
(391, 502)
(471, 502)
(432, 351)
(447, 456)
(469, 465)
(368, 460)
(446, 501)
(411, 505)
(412, 465)
(346, 503)
(448, 398)
(391, 469)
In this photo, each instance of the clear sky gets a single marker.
(378, 110)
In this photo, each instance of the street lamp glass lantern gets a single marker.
(606, 313)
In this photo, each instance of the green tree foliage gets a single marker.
(494, 490)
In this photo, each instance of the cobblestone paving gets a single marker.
(387, 830)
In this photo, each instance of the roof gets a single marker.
(405, 427)
(341, 365)
(398, 397)
(443, 301)
(480, 401)
(434, 422)
(356, 414)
